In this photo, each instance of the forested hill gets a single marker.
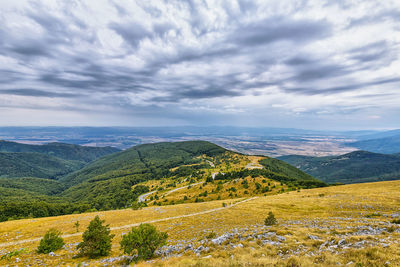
(60, 150)
(29, 164)
(155, 159)
(354, 167)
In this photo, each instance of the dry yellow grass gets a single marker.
(331, 214)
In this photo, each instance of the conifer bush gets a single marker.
(270, 220)
(96, 240)
(50, 242)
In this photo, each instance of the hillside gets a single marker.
(29, 164)
(386, 145)
(354, 167)
(349, 225)
(33, 185)
(60, 150)
(107, 182)
(112, 181)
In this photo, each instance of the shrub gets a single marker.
(211, 235)
(137, 205)
(142, 241)
(50, 242)
(396, 221)
(76, 225)
(14, 253)
(96, 240)
(258, 186)
(265, 189)
(270, 220)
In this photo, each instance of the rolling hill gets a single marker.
(116, 180)
(354, 167)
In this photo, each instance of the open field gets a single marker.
(324, 226)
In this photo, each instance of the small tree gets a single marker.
(270, 220)
(143, 241)
(50, 242)
(96, 240)
(77, 226)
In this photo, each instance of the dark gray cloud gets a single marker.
(379, 17)
(35, 92)
(132, 33)
(280, 29)
(317, 72)
(343, 88)
(299, 60)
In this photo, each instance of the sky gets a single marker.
(295, 64)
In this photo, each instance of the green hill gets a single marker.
(354, 167)
(29, 164)
(283, 168)
(107, 182)
(60, 150)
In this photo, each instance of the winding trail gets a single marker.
(142, 198)
(134, 224)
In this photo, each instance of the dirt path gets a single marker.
(132, 225)
(142, 198)
(179, 188)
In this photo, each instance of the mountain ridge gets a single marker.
(354, 167)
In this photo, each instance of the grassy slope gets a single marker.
(330, 214)
(354, 167)
(22, 164)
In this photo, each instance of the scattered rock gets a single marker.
(314, 237)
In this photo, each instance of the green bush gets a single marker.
(51, 241)
(396, 221)
(142, 241)
(270, 220)
(96, 240)
(137, 205)
(211, 235)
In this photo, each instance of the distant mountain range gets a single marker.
(60, 150)
(386, 145)
(354, 167)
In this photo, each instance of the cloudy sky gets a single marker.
(305, 64)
